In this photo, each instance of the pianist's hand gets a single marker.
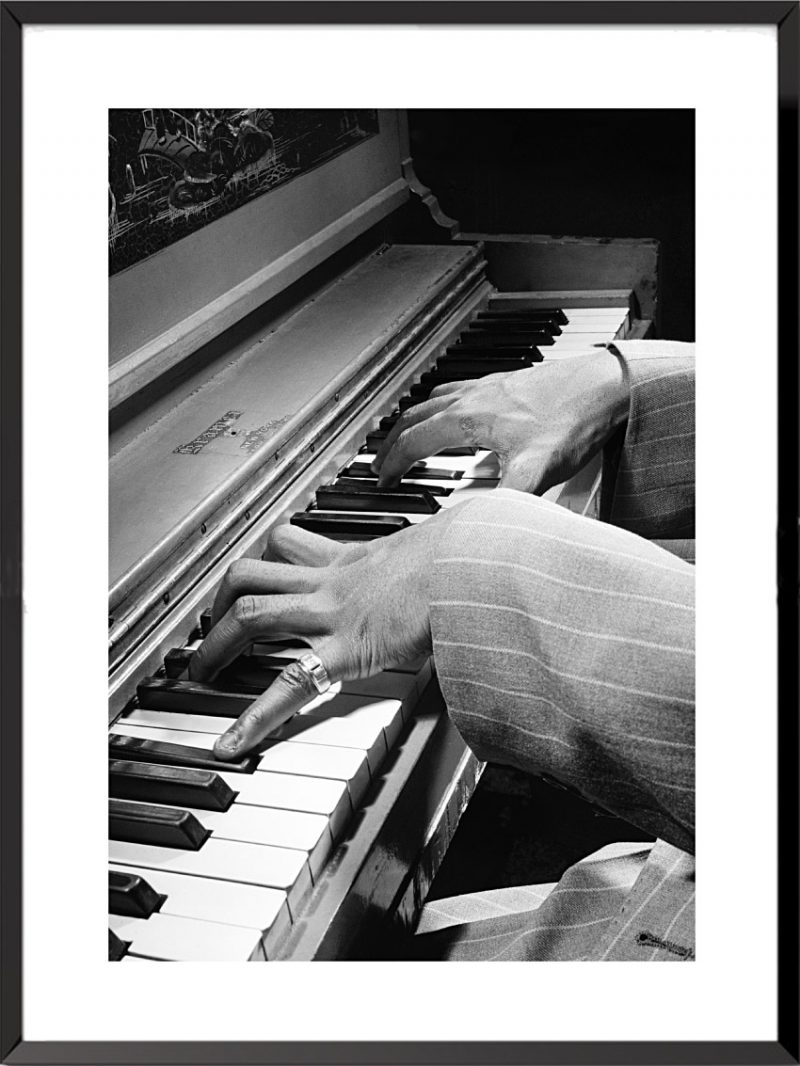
(544, 423)
(362, 609)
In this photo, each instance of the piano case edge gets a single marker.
(377, 879)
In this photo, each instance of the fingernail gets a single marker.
(374, 466)
(227, 743)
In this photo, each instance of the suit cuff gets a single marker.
(649, 474)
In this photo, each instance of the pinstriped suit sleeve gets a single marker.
(566, 646)
(651, 491)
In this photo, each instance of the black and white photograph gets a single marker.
(401, 444)
(402, 554)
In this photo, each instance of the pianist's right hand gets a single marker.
(362, 609)
(544, 423)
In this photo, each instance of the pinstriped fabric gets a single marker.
(656, 922)
(491, 903)
(653, 494)
(566, 647)
(576, 920)
(579, 663)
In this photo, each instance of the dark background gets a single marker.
(583, 173)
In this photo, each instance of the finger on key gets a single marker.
(256, 578)
(412, 417)
(291, 544)
(415, 442)
(249, 619)
(287, 695)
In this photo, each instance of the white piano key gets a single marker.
(300, 831)
(306, 760)
(574, 313)
(192, 723)
(594, 324)
(319, 760)
(388, 685)
(462, 485)
(225, 860)
(317, 795)
(169, 736)
(364, 711)
(174, 939)
(398, 692)
(343, 705)
(339, 763)
(575, 341)
(366, 736)
(426, 483)
(482, 465)
(209, 900)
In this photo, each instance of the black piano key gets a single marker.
(432, 378)
(517, 326)
(421, 389)
(481, 338)
(364, 483)
(499, 351)
(231, 678)
(176, 661)
(169, 694)
(528, 312)
(177, 786)
(374, 440)
(369, 498)
(446, 375)
(432, 473)
(144, 823)
(378, 436)
(205, 622)
(140, 749)
(249, 676)
(548, 323)
(350, 524)
(264, 654)
(131, 896)
(116, 948)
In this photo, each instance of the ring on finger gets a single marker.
(312, 665)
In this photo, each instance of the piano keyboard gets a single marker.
(213, 861)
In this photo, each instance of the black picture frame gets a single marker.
(14, 17)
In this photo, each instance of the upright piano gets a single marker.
(255, 366)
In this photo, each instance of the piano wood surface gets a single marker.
(173, 470)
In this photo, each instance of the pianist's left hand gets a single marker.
(362, 609)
